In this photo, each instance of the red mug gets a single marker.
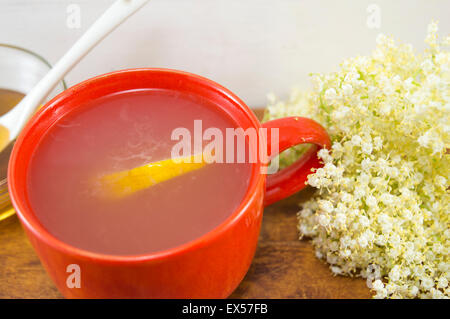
(211, 266)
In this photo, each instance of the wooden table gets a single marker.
(283, 267)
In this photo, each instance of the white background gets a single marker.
(251, 46)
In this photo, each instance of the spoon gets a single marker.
(12, 122)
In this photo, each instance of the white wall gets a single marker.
(250, 46)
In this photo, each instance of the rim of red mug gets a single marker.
(43, 234)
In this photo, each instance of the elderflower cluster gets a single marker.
(381, 210)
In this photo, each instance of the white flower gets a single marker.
(377, 284)
(427, 283)
(336, 270)
(359, 193)
(432, 28)
(381, 39)
(340, 219)
(392, 172)
(346, 197)
(387, 199)
(441, 181)
(371, 201)
(364, 221)
(356, 140)
(382, 196)
(366, 164)
(326, 206)
(345, 253)
(381, 240)
(394, 274)
(324, 220)
(378, 143)
(413, 291)
(330, 95)
(341, 112)
(347, 89)
(427, 65)
(385, 109)
(407, 214)
(362, 241)
(324, 154)
(424, 140)
(367, 148)
(442, 282)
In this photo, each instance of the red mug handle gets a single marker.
(294, 131)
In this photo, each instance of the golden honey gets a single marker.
(8, 99)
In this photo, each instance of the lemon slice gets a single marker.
(124, 183)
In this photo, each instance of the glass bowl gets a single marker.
(20, 71)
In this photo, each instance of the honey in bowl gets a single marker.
(8, 99)
(117, 133)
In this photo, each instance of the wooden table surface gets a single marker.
(283, 267)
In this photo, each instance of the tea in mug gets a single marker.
(120, 132)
